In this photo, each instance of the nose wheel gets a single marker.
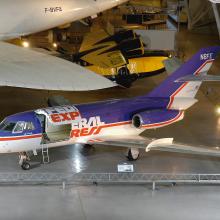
(23, 161)
(132, 154)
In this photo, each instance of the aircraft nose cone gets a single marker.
(3, 147)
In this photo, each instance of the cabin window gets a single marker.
(29, 126)
(19, 127)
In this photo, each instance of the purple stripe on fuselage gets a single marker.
(109, 111)
(121, 110)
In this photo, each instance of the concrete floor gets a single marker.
(110, 202)
(200, 127)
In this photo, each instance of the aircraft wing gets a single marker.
(136, 141)
(187, 149)
(163, 144)
(22, 67)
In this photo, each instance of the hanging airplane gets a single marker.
(120, 57)
(114, 122)
(29, 69)
(215, 1)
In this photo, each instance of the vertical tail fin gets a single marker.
(199, 63)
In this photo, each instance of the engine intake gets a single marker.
(156, 118)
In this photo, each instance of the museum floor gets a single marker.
(110, 202)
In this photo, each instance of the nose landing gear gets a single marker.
(23, 161)
(132, 154)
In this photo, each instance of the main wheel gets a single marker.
(26, 166)
(132, 154)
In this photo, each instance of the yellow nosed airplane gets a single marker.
(120, 57)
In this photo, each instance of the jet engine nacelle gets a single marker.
(156, 118)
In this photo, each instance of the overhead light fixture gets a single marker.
(217, 110)
(25, 44)
(55, 45)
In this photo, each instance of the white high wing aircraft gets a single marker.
(29, 69)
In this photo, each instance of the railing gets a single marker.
(141, 178)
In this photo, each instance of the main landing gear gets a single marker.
(132, 154)
(24, 158)
(23, 161)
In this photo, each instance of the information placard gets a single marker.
(125, 168)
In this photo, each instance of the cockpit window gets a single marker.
(19, 127)
(16, 127)
(23, 126)
(7, 126)
(2, 125)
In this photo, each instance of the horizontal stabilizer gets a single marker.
(22, 67)
(200, 78)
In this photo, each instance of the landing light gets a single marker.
(25, 44)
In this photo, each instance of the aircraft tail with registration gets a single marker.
(175, 90)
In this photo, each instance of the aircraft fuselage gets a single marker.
(24, 17)
(83, 123)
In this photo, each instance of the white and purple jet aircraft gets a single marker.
(114, 122)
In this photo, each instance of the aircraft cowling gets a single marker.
(156, 118)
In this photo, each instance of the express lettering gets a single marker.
(53, 9)
(85, 132)
(85, 127)
(63, 117)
